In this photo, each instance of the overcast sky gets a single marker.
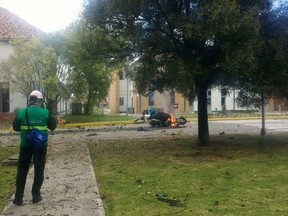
(47, 15)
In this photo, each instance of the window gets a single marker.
(121, 75)
(223, 101)
(223, 97)
(209, 93)
(209, 98)
(121, 101)
(4, 97)
(172, 98)
(191, 102)
(151, 100)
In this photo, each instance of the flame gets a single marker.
(172, 119)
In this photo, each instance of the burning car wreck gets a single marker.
(161, 119)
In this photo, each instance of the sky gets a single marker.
(47, 15)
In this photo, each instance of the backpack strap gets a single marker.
(27, 119)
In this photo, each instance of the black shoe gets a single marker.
(36, 199)
(18, 201)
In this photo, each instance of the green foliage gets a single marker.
(33, 66)
(90, 77)
(271, 74)
(96, 118)
(184, 45)
(178, 42)
(237, 173)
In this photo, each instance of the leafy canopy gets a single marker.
(33, 66)
(187, 45)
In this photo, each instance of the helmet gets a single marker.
(35, 95)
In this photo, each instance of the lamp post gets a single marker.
(127, 100)
(263, 130)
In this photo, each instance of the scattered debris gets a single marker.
(142, 129)
(11, 160)
(51, 132)
(61, 122)
(139, 181)
(92, 134)
(80, 127)
(162, 197)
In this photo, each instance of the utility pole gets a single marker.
(127, 94)
(263, 130)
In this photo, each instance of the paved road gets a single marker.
(271, 125)
(132, 131)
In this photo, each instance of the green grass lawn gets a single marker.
(236, 175)
(7, 176)
(96, 118)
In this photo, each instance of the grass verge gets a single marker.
(71, 119)
(236, 175)
(7, 176)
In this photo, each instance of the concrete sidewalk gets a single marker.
(70, 186)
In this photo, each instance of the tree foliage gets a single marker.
(270, 77)
(187, 45)
(34, 66)
(90, 77)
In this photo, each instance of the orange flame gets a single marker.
(172, 119)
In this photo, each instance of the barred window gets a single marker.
(151, 100)
(121, 101)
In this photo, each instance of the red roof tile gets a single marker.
(13, 27)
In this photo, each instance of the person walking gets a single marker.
(33, 144)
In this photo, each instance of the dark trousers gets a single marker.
(24, 161)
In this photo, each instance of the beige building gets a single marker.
(123, 98)
(277, 105)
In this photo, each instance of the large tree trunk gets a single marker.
(203, 130)
(51, 106)
(88, 109)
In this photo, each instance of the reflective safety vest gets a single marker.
(38, 118)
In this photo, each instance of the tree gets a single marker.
(271, 75)
(90, 77)
(187, 45)
(34, 66)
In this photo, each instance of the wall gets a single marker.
(278, 105)
(113, 97)
(16, 100)
(6, 49)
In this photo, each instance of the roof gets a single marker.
(13, 27)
